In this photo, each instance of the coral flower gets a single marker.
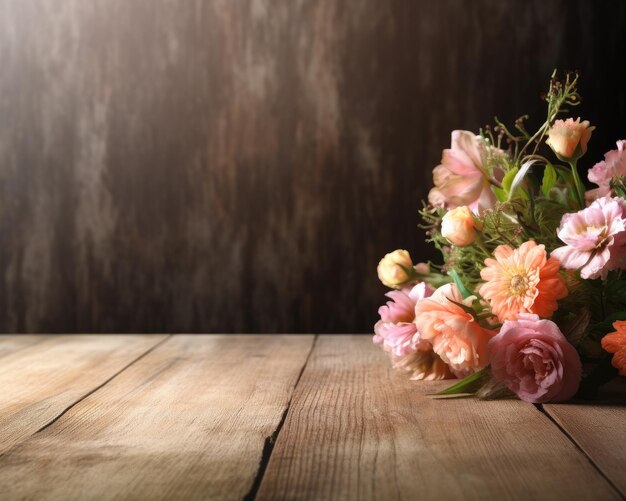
(522, 280)
(462, 179)
(615, 342)
(595, 238)
(454, 333)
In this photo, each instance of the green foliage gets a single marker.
(467, 386)
(618, 185)
(549, 180)
(465, 292)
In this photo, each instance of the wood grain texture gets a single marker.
(187, 421)
(358, 430)
(170, 161)
(39, 382)
(10, 344)
(600, 432)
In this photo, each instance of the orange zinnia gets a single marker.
(522, 280)
(615, 342)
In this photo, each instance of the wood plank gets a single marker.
(358, 430)
(187, 421)
(40, 381)
(10, 343)
(598, 428)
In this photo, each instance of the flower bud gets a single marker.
(458, 226)
(569, 138)
(396, 269)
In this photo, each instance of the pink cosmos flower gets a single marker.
(456, 337)
(533, 358)
(395, 330)
(461, 179)
(613, 165)
(595, 238)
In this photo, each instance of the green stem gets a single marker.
(481, 245)
(580, 188)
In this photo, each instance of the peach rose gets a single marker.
(454, 333)
(458, 226)
(396, 269)
(569, 138)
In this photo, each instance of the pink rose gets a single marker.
(395, 330)
(462, 177)
(569, 138)
(613, 165)
(534, 359)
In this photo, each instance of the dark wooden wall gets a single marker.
(242, 165)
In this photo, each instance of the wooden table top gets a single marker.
(278, 417)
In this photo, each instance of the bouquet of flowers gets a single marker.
(531, 297)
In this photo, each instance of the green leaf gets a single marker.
(519, 177)
(557, 195)
(566, 175)
(607, 324)
(549, 180)
(467, 309)
(465, 292)
(618, 184)
(508, 179)
(501, 195)
(470, 384)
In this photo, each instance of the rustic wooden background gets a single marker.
(222, 166)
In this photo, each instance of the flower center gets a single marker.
(603, 237)
(519, 284)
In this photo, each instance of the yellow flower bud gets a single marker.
(396, 269)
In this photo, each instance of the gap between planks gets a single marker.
(46, 391)
(101, 385)
(572, 439)
(270, 441)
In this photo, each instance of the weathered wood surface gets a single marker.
(39, 382)
(600, 431)
(357, 430)
(11, 344)
(278, 417)
(188, 421)
(159, 157)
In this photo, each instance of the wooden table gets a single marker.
(278, 417)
